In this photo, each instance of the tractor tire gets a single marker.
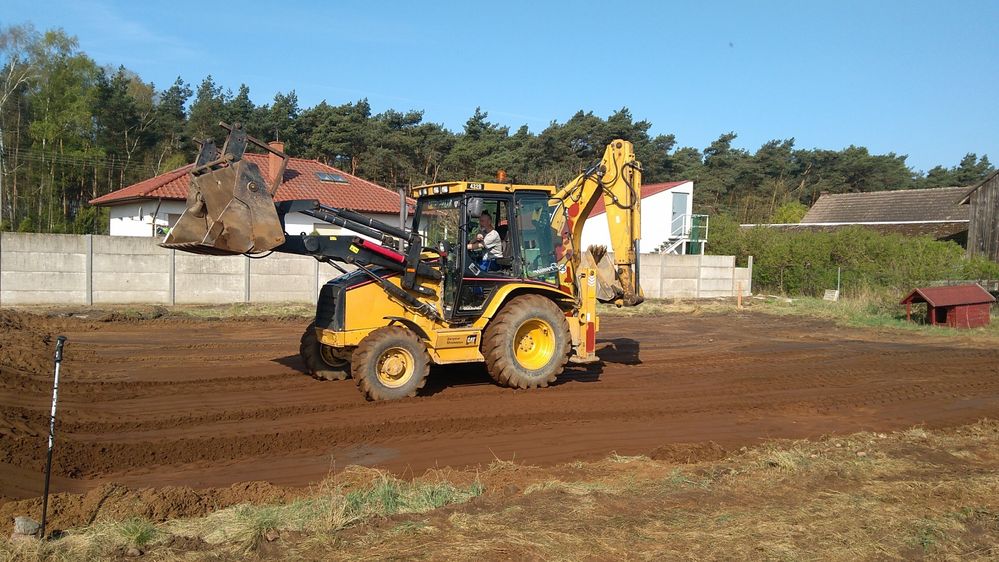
(322, 361)
(390, 363)
(526, 345)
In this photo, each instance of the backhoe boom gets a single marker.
(618, 179)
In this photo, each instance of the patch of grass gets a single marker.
(499, 465)
(245, 310)
(251, 525)
(910, 495)
(574, 488)
(878, 310)
(784, 460)
(925, 536)
(677, 479)
(434, 496)
(623, 459)
(137, 532)
(241, 530)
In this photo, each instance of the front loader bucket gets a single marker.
(230, 210)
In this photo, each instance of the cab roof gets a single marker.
(463, 186)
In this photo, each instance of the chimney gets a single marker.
(274, 161)
(821, 193)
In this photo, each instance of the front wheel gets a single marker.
(526, 345)
(390, 363)
(322, 361)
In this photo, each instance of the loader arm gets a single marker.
(618, 179)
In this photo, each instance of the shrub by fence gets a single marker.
(806, 263)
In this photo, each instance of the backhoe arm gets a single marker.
(618, 179)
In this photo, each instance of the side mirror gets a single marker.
(475, 207)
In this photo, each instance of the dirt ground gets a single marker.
(202, 404)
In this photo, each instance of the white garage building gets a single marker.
(668, 223)
(153, 206)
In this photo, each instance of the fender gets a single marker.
(411, 325)
(506, 292)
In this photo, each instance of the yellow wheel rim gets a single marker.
(395, 367)
(534, 344)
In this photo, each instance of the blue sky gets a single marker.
(916, 78)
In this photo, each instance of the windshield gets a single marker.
(439, 221)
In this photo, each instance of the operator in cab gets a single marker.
(488, 241)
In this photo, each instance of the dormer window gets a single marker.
(330, 177)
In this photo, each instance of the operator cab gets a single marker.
(488, 238)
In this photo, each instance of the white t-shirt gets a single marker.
(492, 244)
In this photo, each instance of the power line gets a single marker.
(35, 155)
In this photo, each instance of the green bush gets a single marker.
(806, 262)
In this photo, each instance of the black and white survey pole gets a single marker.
(52, 417)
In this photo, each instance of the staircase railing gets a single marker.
(686, 229)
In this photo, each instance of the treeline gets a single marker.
(71, 130)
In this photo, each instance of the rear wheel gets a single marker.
(390, 363)
(526, 345)
(323, 361)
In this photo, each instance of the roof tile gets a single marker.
(300, 182)
(938, 204)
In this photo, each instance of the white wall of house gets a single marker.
(297, 223)
(658, 221)
(136, 219)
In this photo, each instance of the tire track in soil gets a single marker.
(209, 403)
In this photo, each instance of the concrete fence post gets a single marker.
(172, 273)
(662, 273)
(315, 283)
(246, 279)
(88, 293)
(697, 282)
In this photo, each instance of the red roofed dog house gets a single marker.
(958, 306)
(151, 207)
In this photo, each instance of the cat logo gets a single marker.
(470, 340)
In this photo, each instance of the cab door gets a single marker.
(539, 246)
(480, 277)
(439, 220)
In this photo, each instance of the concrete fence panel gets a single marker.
(282, 278)
(130, 270)
(43, 268)
(210, 279)
(64, 269)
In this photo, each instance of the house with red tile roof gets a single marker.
(668, 222)
(151, 207)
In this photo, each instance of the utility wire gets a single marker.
(35, 155)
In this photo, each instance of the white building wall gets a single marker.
(657, 214)
(136, 219)
(297, 223)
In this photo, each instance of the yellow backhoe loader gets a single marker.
(488, 272)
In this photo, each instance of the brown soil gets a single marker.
(166, 402)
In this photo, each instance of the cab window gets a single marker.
(490, 254)
(539, 243)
